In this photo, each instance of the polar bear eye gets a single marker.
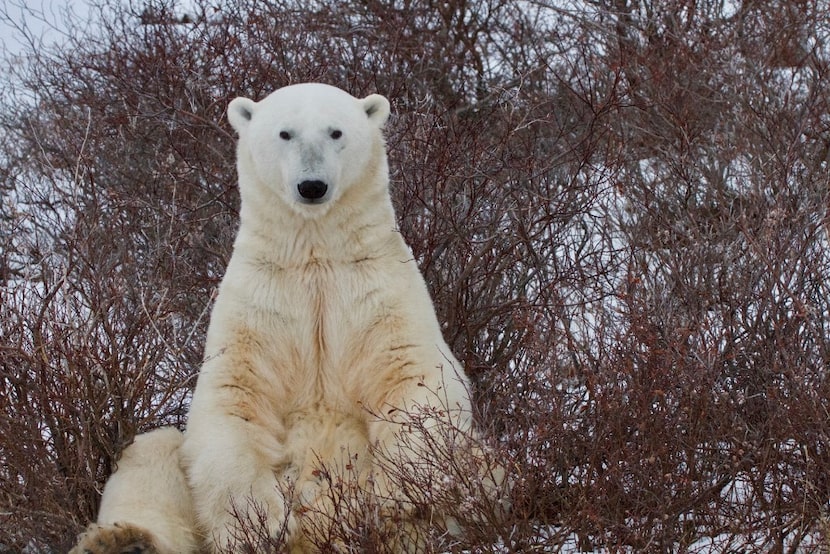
(336, 134)
(285, 135)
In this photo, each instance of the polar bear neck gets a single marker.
(300, 241)
(353, 230)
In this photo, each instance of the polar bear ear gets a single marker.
(376, 108)
(240, 112)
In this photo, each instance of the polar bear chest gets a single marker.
(320, 330)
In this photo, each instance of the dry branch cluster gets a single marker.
(620, 207)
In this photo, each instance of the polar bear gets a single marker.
(323, 340)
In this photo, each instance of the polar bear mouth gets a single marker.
(312, 192)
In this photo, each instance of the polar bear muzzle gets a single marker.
(312, 191)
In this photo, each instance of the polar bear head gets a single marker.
(308, 144)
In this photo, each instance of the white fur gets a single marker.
(147, 491)
(322, 322)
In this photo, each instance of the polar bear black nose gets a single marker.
(312, 190)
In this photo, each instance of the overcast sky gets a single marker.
(43, 19)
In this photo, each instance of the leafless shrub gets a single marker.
(451, 495)
(253, 535)
(620, 209)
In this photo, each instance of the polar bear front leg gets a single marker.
(414, 422)
(230, 466)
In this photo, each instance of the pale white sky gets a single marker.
(40, 19)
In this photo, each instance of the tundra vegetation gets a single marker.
(620, 208)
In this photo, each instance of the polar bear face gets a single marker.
(307, 143)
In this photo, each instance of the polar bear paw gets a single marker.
(118, 538)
